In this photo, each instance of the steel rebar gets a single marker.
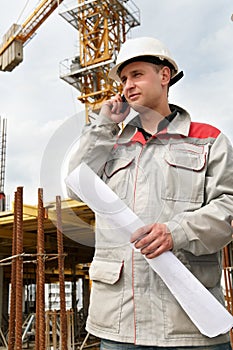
(11, 333)
(19, 269)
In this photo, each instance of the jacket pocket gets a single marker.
(206, 268)
(184, 173)
(106, 294)
(117, 175)
(177, 323)
(208, 271)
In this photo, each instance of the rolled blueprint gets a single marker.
(208, 315)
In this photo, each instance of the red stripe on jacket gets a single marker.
(197, 130)
(203, 131)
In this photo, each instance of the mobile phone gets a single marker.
(124, 105)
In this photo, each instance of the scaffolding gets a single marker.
(59, 324)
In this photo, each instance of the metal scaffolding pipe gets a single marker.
(40, 297)
(228, 283)
(63, 320)
(54, 328)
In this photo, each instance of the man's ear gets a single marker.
(166, 75)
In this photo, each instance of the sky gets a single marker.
(44, 117)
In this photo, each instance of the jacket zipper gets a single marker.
(135, 185)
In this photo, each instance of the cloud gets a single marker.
(26, 143)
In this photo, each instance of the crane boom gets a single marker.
(11, 50)
(34, 21)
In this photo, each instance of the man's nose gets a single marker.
(129, 84)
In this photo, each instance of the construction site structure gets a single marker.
(3, 132)
(102, 28)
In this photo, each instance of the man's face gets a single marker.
(144, 84)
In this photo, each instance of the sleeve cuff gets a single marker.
(179, 237)
(104, 121)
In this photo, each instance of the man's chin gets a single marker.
(139, 108)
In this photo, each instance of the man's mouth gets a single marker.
(133, 97)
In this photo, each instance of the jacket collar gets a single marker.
(180, 125)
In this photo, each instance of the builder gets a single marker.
(176, 175)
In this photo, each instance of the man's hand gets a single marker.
(112, 109)
(152, 240)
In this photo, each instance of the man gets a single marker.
(176, 175)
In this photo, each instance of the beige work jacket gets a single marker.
(182, 176)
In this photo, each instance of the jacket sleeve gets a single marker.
(208, 229)
(95, 144)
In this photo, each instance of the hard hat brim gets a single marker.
(114, 71)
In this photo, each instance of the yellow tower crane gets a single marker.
(102, 27)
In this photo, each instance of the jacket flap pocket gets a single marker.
(207, 268)
(115, 165)
(186, 157)
(106, 271)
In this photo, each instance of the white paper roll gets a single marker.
(209, 316)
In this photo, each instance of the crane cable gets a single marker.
(23, 10)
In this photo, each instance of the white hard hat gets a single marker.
(140, 48)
